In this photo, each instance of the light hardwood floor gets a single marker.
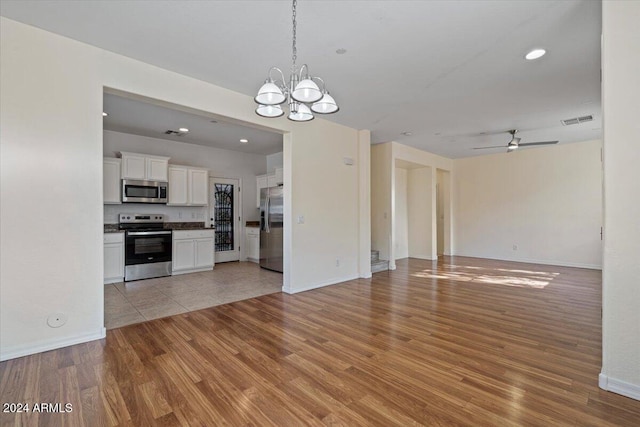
(463, 342)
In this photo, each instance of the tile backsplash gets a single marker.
(171, 213)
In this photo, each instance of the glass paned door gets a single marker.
(225, 217)
(223, 196)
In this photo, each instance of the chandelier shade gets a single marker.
(270, 111)
(299, 112)
(306, 91)
(326, 105)
(270, 94)
(303, 94)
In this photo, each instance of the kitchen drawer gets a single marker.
(192, 234)
(253, 231)
(114, 237)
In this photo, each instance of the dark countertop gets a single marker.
(185, 226)
(252, 224)
(113, 228)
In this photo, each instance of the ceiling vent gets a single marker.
(577, 120)
(174, 133)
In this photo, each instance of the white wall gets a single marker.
(51, 162)
(421, 213)
(383, 165)
(274, 161)
(401, 241)
(545, 201)
(381, 194)
(221, 163)
(621, 273)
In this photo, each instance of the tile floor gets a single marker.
(135, 302)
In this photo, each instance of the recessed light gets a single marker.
(341, 51)
(104, 114)
(535, 54)
(244, 141)
(183, 130)
(406, 133)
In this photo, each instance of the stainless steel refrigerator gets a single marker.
(271, 220)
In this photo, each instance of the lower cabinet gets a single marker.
(192, 251)
(253, 244)
(113, 257)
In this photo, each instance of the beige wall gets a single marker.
(621, 274)
(545, 202)
(401, 228)
(381, 192)
(384, 160)
(421, 213)
(51, 201)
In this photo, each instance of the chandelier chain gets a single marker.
(294, 56)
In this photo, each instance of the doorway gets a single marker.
(225, 217)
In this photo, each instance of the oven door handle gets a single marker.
(147, 233)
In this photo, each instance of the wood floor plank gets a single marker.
(463, 341)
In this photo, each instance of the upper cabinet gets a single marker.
(111, 181)
(276, 178)
(188, 186)
(261, 182)
(273, 179)
(144, 166)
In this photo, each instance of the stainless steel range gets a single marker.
(147, 246)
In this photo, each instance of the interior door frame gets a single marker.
(236, 254)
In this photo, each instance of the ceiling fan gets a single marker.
(514, 144)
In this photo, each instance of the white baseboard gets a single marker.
(193, 270)
(620, 387)
(366, 275)
(319, 285)
(12, 353)
(113, 280)
(536, 261)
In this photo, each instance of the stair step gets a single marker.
(380, 265)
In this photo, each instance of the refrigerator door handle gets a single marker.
(267, 228)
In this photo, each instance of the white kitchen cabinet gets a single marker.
(144, 166)
(252, 243)
(204, 253)
(183, 255)
(198, 187)
(113, 257)
(156, 168)
(261, 182)
(111, 181)
(276, 178)
(178, 185)
(273, 179)
(192, 251)
(188, 186)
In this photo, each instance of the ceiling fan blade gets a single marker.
(494, 146)
(538, 143)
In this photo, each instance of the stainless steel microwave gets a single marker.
(138, 191)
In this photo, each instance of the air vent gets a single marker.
(174, 132)
(577, 120)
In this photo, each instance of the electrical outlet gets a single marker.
(337, 261)
(515, 247)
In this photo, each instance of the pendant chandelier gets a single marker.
(302, 93)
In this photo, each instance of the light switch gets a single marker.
(300, 219)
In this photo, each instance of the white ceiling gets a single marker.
(445, 71)
(146, 118)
